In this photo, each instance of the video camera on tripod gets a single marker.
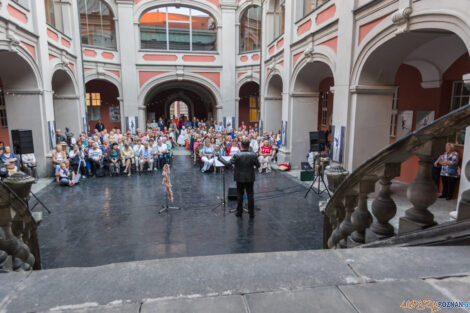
(69, 136)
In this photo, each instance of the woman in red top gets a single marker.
(265, 154)
(243, 126)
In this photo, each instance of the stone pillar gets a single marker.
(23, 225)
(369, 130)
(9, 243)
(361, 217)
(273, 117)
(342, 72)
(463, 207)
(67, 113)
(304, 118)
(383, 207)
(422, 192)
(129, 77)
(228, 51)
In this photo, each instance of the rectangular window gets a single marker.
(324, 108)
(93, 103)
(23, 3)
(3, 111)
(254, 109)
(394, 117)
(178, 28)
(310, 5)
(460, 98)
(54, 14)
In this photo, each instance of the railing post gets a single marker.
(21, 223)
(383, 206)
(346, 226)
(361, 217)
(422, 192)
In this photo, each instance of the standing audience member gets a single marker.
(449, 171)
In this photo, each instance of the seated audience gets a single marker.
(146, 157)
(265, 154)
(127, 156)
(10, 160)
(29, 165)
(207, 156)
(95, 158)
(114, 160)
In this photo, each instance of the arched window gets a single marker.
(250, 29)
(178, 28)
(97, 24)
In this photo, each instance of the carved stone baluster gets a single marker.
(422, 192)
(336, 219)
(346, 227)
(383, 207)
(361, 217)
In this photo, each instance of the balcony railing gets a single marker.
(351, 223)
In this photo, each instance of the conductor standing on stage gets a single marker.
(245, 163)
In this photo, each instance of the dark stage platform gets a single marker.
(107, 220)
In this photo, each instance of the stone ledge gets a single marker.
(296, 275)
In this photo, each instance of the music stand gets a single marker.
(166, 208)
(223, 199)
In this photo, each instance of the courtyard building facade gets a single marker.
(368, 72)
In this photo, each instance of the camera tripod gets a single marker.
(319, 179)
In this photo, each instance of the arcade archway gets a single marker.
(248, 105)
(103, 104)
(22, 102)
(399, 80)
(273, 104)
(199, 100)
(312, 106)
(66, 102)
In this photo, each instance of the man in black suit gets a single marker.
(245, 163)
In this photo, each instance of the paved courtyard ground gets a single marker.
(108, 220)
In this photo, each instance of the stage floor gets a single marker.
(108, 220)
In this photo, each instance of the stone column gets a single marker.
(369, 129)
(304, 117)
(422, 192)
(463, 207)
(228, 50)
(129, 77)
(23, 225)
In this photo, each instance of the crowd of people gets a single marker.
(114, 153)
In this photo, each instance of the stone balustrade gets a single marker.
(349, 220)
(19, 247)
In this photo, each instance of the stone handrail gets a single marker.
(19, 247)
(352, 223)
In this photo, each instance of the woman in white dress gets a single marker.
(182, 137)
